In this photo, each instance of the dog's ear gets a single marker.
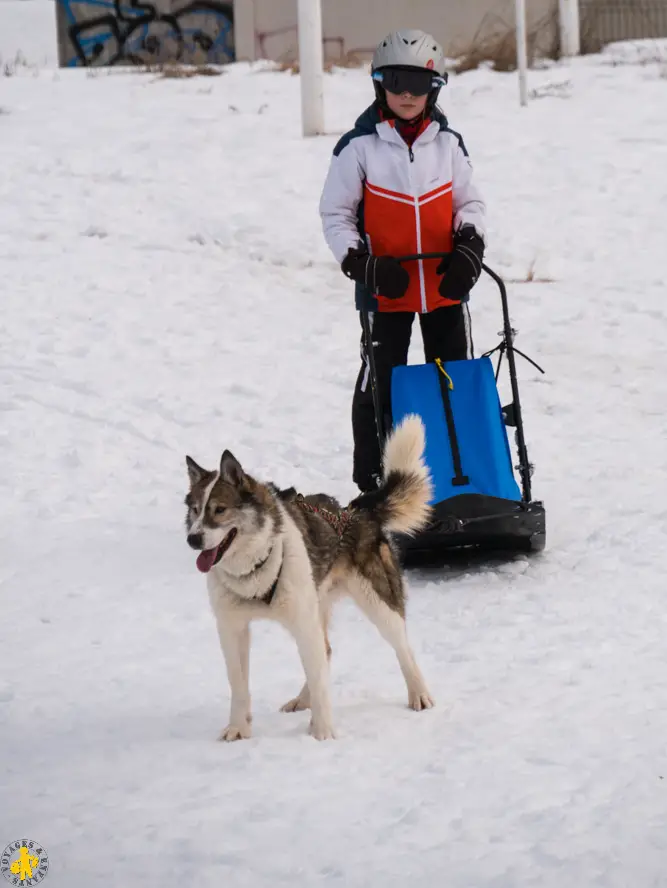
(195, 472)
(230, 469)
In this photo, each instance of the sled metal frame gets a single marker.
(473, 520)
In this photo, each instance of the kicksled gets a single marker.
(477, 503)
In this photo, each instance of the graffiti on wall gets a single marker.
(110, 32)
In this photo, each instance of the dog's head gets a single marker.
(222, 506)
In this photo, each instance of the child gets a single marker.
(400, 183)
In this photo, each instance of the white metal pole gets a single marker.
(244, 31)
(564, 26)
(311, 66)
(576, 27)
(570, 36)
(521, 50)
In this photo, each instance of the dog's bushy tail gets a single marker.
(401, 504)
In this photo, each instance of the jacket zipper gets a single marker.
(420, 263)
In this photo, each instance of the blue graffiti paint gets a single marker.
(108, 32)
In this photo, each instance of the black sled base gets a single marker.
(476, 522)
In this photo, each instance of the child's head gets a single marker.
(408, 71)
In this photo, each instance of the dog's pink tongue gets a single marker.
(205, 559)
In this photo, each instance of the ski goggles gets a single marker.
(416, 81)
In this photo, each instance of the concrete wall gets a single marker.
(108, 32)
(267, 28)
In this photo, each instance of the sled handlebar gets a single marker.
(412, 257)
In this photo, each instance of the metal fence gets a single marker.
(604, 21)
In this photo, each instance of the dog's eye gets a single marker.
(219, 510)
(195, 508)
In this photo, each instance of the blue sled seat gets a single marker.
(486, 461)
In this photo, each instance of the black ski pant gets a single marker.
(445, 334)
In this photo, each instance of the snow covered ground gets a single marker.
(166, 290)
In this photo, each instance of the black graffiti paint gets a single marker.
(138, 33)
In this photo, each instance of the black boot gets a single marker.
(370, 485)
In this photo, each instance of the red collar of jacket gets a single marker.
(408, 129)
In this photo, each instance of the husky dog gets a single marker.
(277, 555)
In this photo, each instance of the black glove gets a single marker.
(463, 266)
(381, 274)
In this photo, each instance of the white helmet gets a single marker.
(412, 49)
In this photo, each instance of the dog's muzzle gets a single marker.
(210, 557)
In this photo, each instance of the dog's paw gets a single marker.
(420, 700)
(321, 731)
(298, 704)
(236, 732)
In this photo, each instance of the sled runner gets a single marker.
(477, 502)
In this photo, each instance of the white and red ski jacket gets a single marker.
(398, 200)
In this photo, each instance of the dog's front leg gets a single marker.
(235, 644)
(302, 700)
(306, 627)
